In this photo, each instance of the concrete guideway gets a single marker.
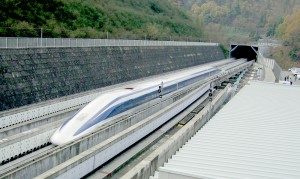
(26, 142)
(45, 118)
(118, 166)
(59, 154)
(60, 108)
(66, 148)
(35, 123)
(147, 166)
(77, 163)
(10, 134)
(96, 156)
(34, 112)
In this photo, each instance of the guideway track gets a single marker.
(27, 142)
(54, 152)
(36, 117)
(88, 160)
(29, 117)
(35, 112)
(52, 157)
(130, 157)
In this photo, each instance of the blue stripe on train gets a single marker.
(138, 101)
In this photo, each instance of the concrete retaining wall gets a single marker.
(32, 75)
(271, 64)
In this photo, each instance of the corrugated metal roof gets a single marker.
(256, 135)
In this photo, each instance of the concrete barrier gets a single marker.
(26, 141)
(35, 123)
(271, 64)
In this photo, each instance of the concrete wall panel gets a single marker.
(33, 75)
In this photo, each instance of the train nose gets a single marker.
(59, 138)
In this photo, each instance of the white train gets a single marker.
(108, 105)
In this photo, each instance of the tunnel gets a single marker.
(243, 51)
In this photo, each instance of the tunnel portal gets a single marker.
(244, 51)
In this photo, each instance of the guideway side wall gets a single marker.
(33, 75)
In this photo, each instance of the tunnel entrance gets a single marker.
(244, 51)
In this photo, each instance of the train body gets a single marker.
(113, 103)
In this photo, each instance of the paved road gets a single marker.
(269, 75)
(287, 73)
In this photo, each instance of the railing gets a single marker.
(24, 42)
(270, 42)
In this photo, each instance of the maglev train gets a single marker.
(113, 103)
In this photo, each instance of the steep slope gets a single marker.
(289, 29)
(240, 20)
(133, 19)
(289, 32)
(243, 21)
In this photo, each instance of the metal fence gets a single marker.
(260, 43)
(272, 64)
(24, 42)
(270, 42)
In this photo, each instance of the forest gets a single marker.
(244, 21)
(131, 19)
(223, 21)
(288, 31)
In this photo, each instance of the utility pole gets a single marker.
(41, 37)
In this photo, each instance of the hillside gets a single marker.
(134, 19)
(288, 31)
(240, 20)
(222, 21)
(243, 21)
